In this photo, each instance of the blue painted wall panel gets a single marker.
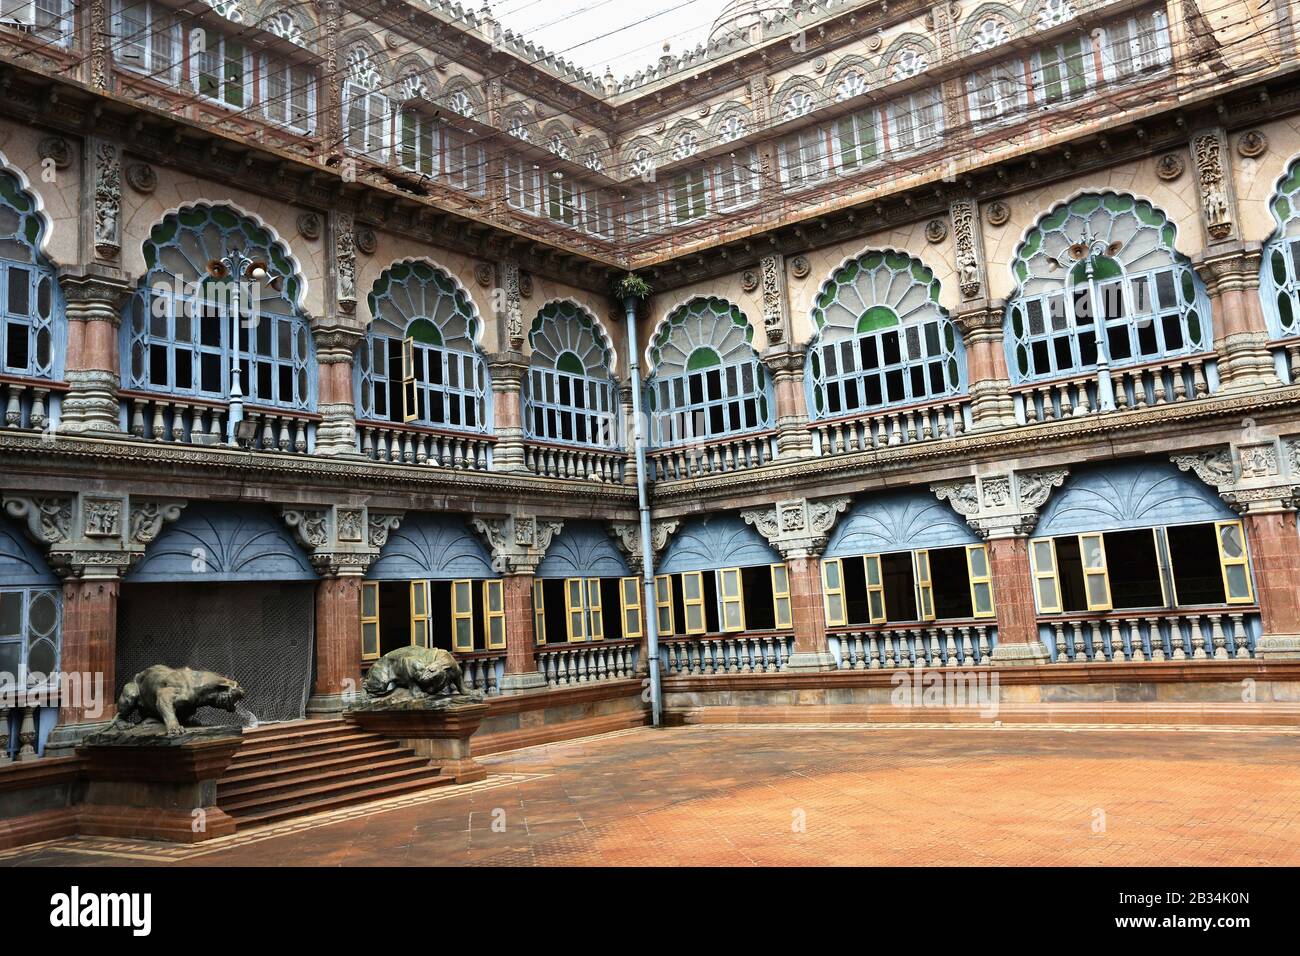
(437, 547)
(1127, 495)
(583, 549)
(224, 542)
(21, 563)
(898, 521)
(716, 541)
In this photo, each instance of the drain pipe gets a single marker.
(649, 613)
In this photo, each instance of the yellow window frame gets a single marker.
(370, 621)
(924, 586)
(1099, 571)
(494, 614)
(833, 592)
(1227, 562)
(595, 611)
(694, 603)
(539, 611)
(781, 613)
(876, 610)
(575, 610)
(629, 592)
(664, 605)
(978, 581)
(462, 616)
(731, 599)
(420, 613)
(410, 397)
(1040, 573)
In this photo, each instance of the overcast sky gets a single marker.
(626, 36)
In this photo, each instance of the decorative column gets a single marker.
(786, 362)
(1231, 275)
(94, 310)
(1003, 509)
(341, 541)
(799, 529)
(986, 365)
(335, 350)
(626, 439)
(507, 370)
(518, 544)
(1259, 478)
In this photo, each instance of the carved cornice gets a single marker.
(798, 527)
(518, 542)
(627, 535)
(1231, 269)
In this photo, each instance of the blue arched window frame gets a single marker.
(570, 396)
(1279, 277)
(34, 342)
(882, 339)
(177, 332)
(707, 381)
(420, 362)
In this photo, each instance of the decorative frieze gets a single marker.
(798, 527)
(518, 542)
(968, 248)
(627, 535)
(149, 517)
(333, 539)
(1001, 505)
(1252, 476)
(508, 302)
(776, 320)
(1208, 148)
(107, 199)
(345, 263)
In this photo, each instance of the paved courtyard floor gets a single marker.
(809, 795)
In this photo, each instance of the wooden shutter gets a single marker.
(1047, 586)
(630, 595)
(981, 581)
(369, 620)
(494, 614)
(1231, 539)
(781, 596)
(462, 616)
(833, 592)
(420, 613)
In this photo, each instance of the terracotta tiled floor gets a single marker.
(738, 796)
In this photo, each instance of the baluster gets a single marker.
(1080, 654)
(1098, 645)
(159, 426)
(14, 407)
(770, 660)
(1059, 630)
(551, 676)
(1156, 639)
(1135, 640)
(1157, 388)
(950, 646)
(859, 659)
(1198, 639)
(1240, 640)
(1116, 643)
(27, 735)
(967, 650)
(887, 639)
(4, 736)
(1220, 643)
(1180, 386)
(986, 650)
(1176, 638)
(285, 441)
(1200, 383)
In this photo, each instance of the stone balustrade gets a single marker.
(716, 457)
(890, 427)
(572, 461)
(942, 644)
(20, 746)
(1139, 386)
(1137, 636)
(483, 671)
(189, 421)
(29, 404)
(586, 663)
(1286, 359)
(416, 445)
(756, 653)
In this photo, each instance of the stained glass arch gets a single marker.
(882, 338)
(571, 395)
(35, 331)
(1279, 278)
(1107, 254)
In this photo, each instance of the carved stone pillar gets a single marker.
(507, 370)
(776, 304)
(793, 440)
(1003, 509)
(1231, 275)
(94, 310)
(799, 529)
(627, 435)
(89, 651)
(986, 366)
(335, 350)
(518, 544)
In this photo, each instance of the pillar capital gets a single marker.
(798, 527)
(335, 343)
(1001, 505)
(340, 540)
(518, 542)
(1229, 267)
(627, 535)
(1258, 475)
(95, 292)
(508, 369)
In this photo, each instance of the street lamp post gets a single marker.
(1093, 248)
(237, 267)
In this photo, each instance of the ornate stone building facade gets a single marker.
(974, 341)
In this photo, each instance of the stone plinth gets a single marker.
(435, 727)
(142, 784)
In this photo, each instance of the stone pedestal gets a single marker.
(793, 440)
(521, 658)
(507, 370)
(1231, 275)
(435, 727)
(338, 645)
(1018, 640)
(142, 784)
(811, 652)
(94, 309)
(336, 434)
(88, 656)
(986, 365)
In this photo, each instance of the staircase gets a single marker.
(309, 766)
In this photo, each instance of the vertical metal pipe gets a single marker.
(649, 611)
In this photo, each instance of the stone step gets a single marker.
(363, 757)
(297, 730)
(262, 750)
(253, 816)
(272, 760)
(307, 797)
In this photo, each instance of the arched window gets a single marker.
(31, 300)
(1279, 280)
(419, 362)
(1107, 255)
(179, 331)
(707, 380)
(882, 338)
(570, 394)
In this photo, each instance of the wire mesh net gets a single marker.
(258, 634)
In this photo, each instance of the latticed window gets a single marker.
(1109, 256)
(29, 635)
(30, 299)
(1280, 276)
(857, 139)
(882, 338)
(996, 91)
(570, 396)
(1137, 44)
(707, 380)
(289, 94)
(1063, 71)
(419, 362)
(222, 68)
(915, 121)
(148, 37)
(179, 332)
